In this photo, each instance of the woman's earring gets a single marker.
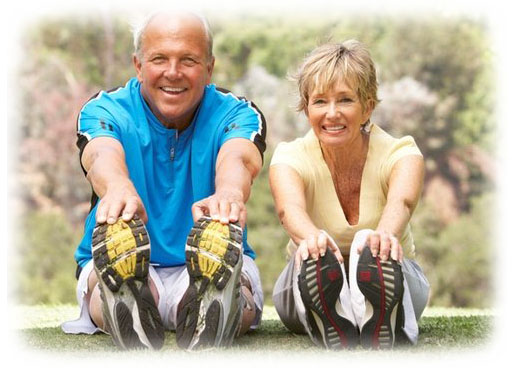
(366, 127)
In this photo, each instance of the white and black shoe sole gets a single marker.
(381, 282)
(320, 284)
(121, 254)
(210, 312)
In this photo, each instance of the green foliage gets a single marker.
(457, 258)
(45, 267)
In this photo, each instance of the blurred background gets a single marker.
(436, 83)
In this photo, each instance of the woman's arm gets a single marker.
(289, 196)
(405, 185)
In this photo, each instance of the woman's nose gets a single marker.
(332, 110)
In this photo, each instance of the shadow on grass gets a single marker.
(435, 333)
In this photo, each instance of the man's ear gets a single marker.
(138, 67)
(209, 69)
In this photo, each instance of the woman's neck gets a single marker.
(347, 156)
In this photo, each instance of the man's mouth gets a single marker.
(173, 90)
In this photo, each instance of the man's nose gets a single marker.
(172, 71)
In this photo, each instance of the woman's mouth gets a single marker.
(334, 128)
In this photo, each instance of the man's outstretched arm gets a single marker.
(103, 159)
(238, 163)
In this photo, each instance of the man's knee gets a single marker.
(248, 311)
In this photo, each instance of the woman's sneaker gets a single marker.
(381, 282)
(320, 286)
(210, 312)
(121, 255)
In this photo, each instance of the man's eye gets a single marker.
(158, 59)
(189, 61)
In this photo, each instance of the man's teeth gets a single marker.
(173, 89)
(335, 128)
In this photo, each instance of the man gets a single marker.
(171, 159)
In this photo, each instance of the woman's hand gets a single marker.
(314, 246)
(383, 244)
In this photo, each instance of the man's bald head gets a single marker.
(167, 18)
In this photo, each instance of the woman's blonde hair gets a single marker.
(326, 65)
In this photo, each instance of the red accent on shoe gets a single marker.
(365, 276)
(333, 275)
(342, 336)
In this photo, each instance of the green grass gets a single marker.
(440, 328)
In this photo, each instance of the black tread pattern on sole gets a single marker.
(102, 262)
(320, 284)
(213, 321)
(187, 318)
(136, 280)
(381, 282)
(203, 246)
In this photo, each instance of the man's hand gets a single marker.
(224, 206)
(120, 199)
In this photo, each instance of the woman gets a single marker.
(345, 193)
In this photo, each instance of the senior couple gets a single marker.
(171, 159)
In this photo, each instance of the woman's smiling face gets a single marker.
(336, 115)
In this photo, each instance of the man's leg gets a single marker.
(121, 254)
(95, 304)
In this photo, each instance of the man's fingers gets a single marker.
(224, 211)
(113, 214)
(236, 211)
(213, 208)
(198, 211)
(242, 218)
(101, 213)
(131, 207)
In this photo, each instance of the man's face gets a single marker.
(174, 68)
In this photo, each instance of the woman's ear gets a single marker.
(370, 106)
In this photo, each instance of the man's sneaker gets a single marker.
(320, 285)
(210, 312)
(121, 260)
(381, 282)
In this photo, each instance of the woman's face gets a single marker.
(336, 115)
